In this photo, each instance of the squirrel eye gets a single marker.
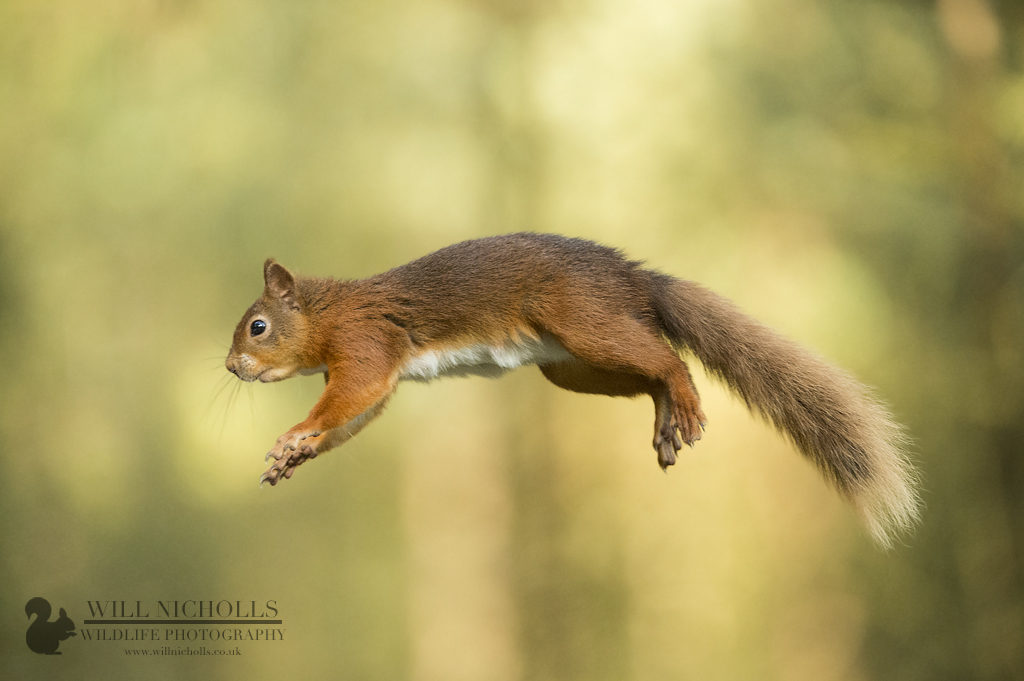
(257, 327)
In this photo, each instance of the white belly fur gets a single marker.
(482, 359)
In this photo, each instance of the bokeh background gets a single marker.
(851, 172)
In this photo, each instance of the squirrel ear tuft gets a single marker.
(279, 282)
(268, 264)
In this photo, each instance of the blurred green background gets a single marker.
(850, 172)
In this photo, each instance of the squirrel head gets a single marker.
(270, 338)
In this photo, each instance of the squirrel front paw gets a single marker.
(291, 450)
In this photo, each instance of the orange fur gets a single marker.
(593, 321)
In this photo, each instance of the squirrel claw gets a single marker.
(270, 476)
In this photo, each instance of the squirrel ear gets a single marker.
(279, 282)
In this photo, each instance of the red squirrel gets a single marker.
(594, 322)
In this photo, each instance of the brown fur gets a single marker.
(600, 322)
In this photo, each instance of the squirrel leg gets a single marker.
(336, 418)
(312, 446)
(670, 417)
(581, 377)
(623, 345)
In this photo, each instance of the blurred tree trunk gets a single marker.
(987, 306)
(573, 619)
(972, 542)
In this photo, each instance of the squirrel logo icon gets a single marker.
(44, 637)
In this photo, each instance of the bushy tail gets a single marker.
(832, 419)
